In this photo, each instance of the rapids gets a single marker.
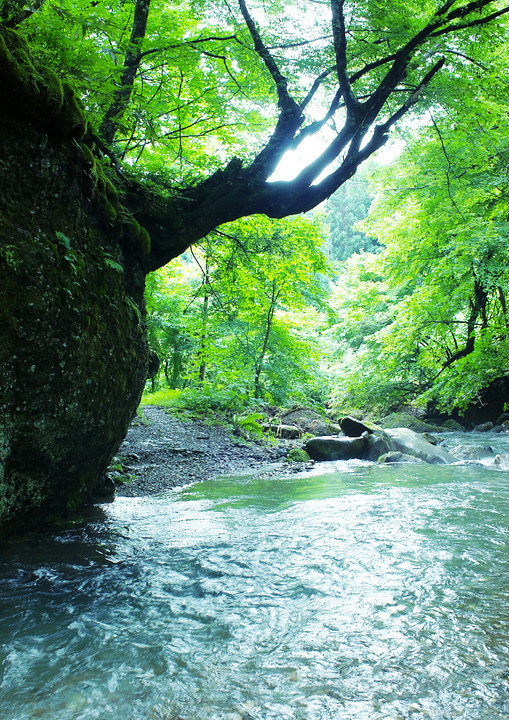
(349, 592)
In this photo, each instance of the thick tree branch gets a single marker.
(21, 14)
(339, 34)
(473, 23)
(290, 115)
(314, 89)
(175, 222)
(122, 96)
(286, 103)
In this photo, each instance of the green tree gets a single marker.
(174, 94)
(189, 109)
(273, 268)
(168, 295)
(346, 207)
(253, 307)
(441, 213)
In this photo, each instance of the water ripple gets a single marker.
(353, 594)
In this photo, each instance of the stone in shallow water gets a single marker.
(331, 447)
(484, 427)
(399, 457)
(411, 443)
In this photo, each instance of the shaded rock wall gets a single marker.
(73, 351)
(492, 402)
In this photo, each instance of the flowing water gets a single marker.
(350, 592)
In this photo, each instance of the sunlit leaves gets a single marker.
(202, 94)
(246, 304)
(441, 213)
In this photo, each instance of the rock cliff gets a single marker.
(73, 351)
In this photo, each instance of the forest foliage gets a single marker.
(395, 291)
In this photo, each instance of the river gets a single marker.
(349, 592)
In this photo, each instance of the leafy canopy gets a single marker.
(244, 309)
(196, 103)
(179, 89)
(430, 320)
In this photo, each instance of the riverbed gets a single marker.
(349, 591)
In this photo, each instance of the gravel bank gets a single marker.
(163, 453)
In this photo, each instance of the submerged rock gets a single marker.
(484, 427)
(399, 457)
(473, 453)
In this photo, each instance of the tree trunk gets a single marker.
(73, 354)
(478, 304)
(204, 327)
(203, 341)
(268, 327)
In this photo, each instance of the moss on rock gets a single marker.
(73, 350)
(36, 93)
(297, 455)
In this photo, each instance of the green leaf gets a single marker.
(63, 239)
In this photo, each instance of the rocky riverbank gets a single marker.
(161, 452)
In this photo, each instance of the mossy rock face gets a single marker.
(73, 352)
(45, 101)
(404, 420)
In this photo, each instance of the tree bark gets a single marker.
(73, 347)
(478, 304)
(122, 96)
(202, 371)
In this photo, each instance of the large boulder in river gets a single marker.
(411, 443)
(354, 428)
(333, 447)
(73, 351)
(375, 445)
